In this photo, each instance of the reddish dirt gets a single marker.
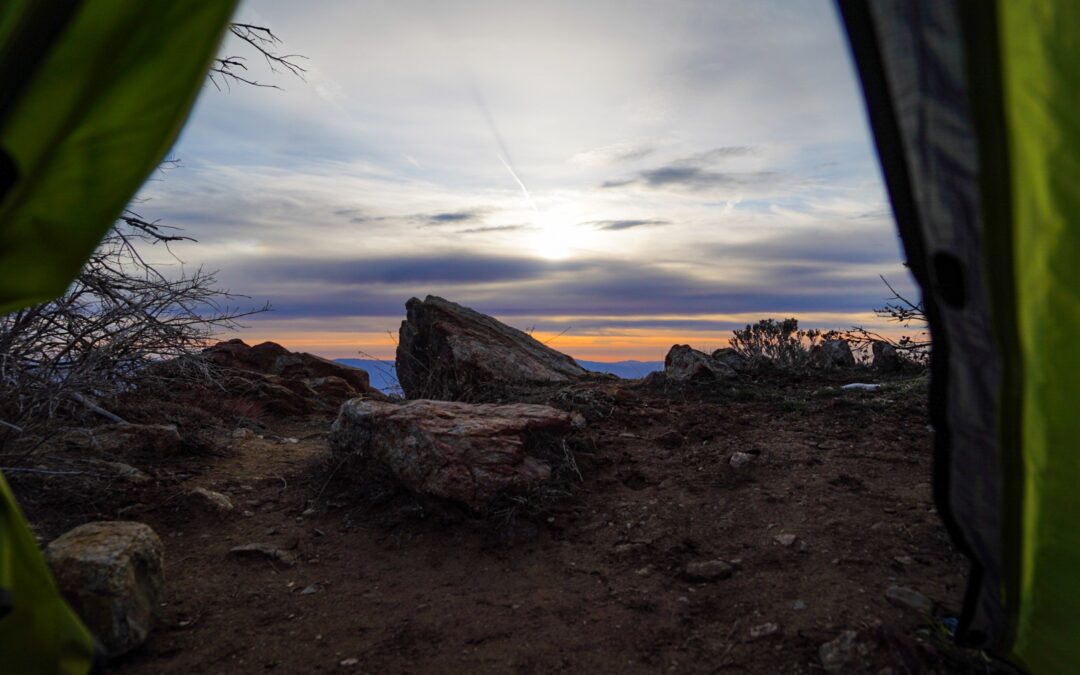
(594, 584)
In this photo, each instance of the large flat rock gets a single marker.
(447, 351)
(464, 452)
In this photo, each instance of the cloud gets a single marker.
(820, 245)
(495, 228)
(520, 286)
(693, 172)
(612, 154)
(455, 216)
(615, 225)
(434, 269)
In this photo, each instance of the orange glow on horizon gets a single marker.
(621, 344)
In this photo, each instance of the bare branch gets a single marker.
(230, 69)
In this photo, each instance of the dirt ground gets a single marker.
(595, 583)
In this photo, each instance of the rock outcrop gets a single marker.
(447, 351)
(732, 359)
(111, 574)
(270, 358)
(886, 358)
(463, 452)
(684, 364)
(285, 382)
(837, 354)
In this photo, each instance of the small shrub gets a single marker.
(779, 343)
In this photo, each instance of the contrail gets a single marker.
(503, 153)
(454, 50)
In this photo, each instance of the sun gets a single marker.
(557, 233)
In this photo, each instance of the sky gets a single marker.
(616, 176)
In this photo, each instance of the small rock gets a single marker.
(291, 441)
(263, 551)
(349, 663)
(904, 560)
(708, 570)
(785, 539)
(924, 492)
(764, 630)
(123, 471)
(628, 549)
(740, 459)
(798, 605)
(840, 654)
(242, 433)
(312, 589)
(308, 513)
(215, 500)
(902, 596)
(111, 574)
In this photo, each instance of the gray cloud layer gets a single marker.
(629, 224)
(693, 172)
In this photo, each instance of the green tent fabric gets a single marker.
(94, 92)
(92, 95)
(973, 107)
(38, 632)
(1038, 188)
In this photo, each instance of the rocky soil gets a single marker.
(758, 525)
(721, 516)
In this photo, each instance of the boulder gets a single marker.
(451, 352)
(463, 452)
(111, 574)
(732, 359)
(837, 354)
(684, 364)
(886, 358)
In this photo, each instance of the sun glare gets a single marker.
(557, 233)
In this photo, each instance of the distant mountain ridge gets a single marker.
(384, 377)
